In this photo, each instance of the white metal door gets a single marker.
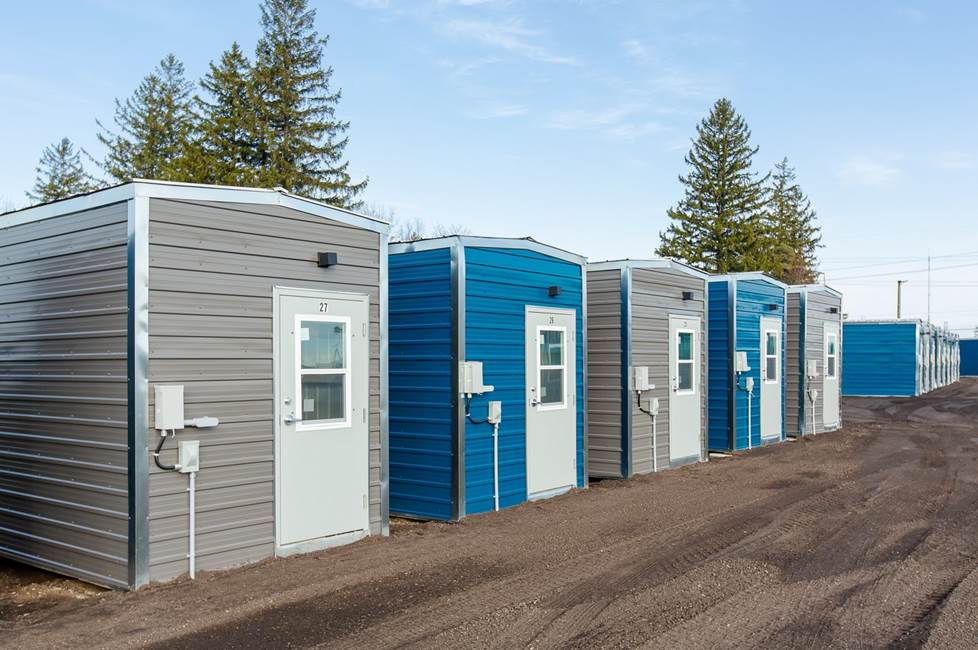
(322, 370)
(830, 384)
(551, 398)
(770, 377)
(684, 395)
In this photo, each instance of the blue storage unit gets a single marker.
(737, 303)
(880, 358)
(465, 299)
(969, 357)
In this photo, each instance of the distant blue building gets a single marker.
(746, 315)
(886, 358)
(517, 307)
(969, 357)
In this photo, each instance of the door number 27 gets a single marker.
(323, 307)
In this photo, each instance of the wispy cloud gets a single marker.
(955, 160)
(636, 130)
(497, 111)
(870, 171)
(636, 50)
(575, 120)
(510, 36)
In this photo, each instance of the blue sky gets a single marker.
(568, 121)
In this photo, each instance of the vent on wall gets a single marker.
(553, 291)
(772, 307)
(833, 310)
(327, 260)
(687, 295)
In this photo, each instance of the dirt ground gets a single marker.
(862, 538)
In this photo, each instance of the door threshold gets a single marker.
(546, 494)
(320, 543)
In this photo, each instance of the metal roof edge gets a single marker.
(798, 288)
(651, 263)
(748, 275)
(488, 242)
(191, 192)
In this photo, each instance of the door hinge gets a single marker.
(364, 329)
(365, 502)
(364, 415)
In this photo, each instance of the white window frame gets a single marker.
(829, 336)
(776, 356)
(692, 362)
(552, 406)
(300, 372)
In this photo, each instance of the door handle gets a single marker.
(291, 419)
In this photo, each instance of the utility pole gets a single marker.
(900, 284)
(928, 286)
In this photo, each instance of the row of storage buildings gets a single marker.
(898, 358)
(317, 379)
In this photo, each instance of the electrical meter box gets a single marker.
(640, 379)
(168, 413)
(812, 369)
(495, 412)
(471, 379)
(188, 456)
(740, 363)
(654, 406)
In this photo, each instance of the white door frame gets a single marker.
(777, 330)
(324, 542)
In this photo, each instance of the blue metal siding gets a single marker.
(969, 357)
(719, 357)
(879, 359)
(753, 300)
(499, 284)
(420, 326)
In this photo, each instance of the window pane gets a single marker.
(323, 344)
(831, 366)
(551, 386)
(772, 343)
(832, 345)
(772, 368)
(685, 376)
(685, 346)
(551, 348)
(323, 397)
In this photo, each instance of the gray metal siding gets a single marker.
(604, 373)
(794, 371)
(817, 314)
(63, 394)
(657, 294)
(212, 269)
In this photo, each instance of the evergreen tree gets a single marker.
(154, 127)
(794, 236)
(224, 149)
(718, 225)
(300, 140)
(60, 174)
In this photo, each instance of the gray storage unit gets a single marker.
(813, 360)
(645, 314)
(222, 291)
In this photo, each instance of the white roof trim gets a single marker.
(192, 192)
(655, 263)
(748, 275)
(801, 288)
(486, 242)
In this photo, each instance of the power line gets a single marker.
(924, 270)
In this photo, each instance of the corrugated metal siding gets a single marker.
(720, 364)
(604, 366)
(63, 394)
(879, 359)
(212, 269)
(969, 357)
(753, 299)
(819, 304)
(795, 375)
(657, 294)
(499, 283)
(421, 423)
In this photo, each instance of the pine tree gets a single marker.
(154, 127)
(60, 174)
(224, 149)
(718, 225)
(794, 236)
(301, 142)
